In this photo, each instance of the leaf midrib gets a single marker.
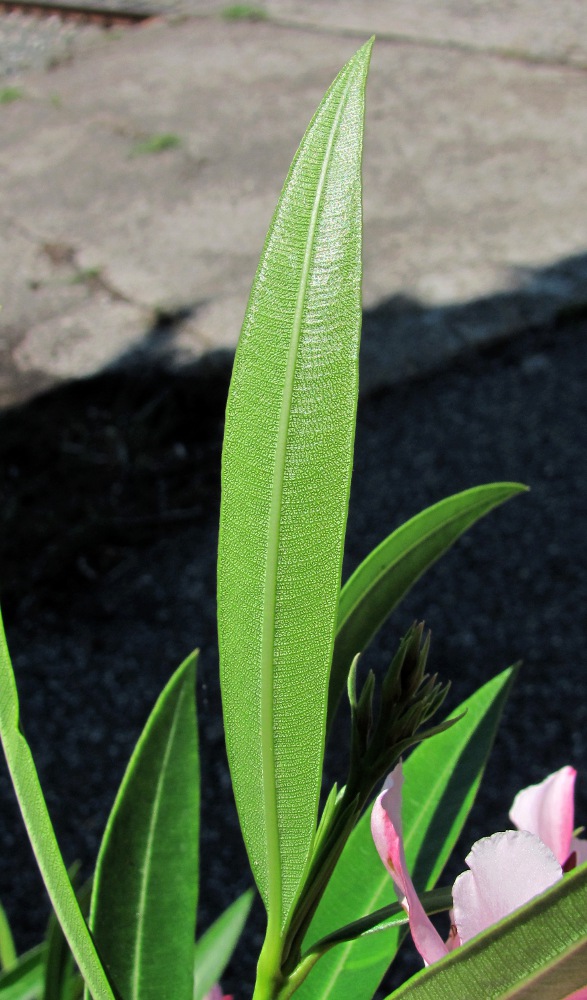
(33, 807)
(146, 870)
(274, 886)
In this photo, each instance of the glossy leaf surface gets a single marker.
(144, 901)
(540, 951)
(42, 836)
(214, 949)
(390, 570)
(441, 780)
(286, 472)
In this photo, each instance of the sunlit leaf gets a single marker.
(145, 894)
(286, 472)
(60, 973)
(42, 836)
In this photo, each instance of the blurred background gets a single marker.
(142, 150)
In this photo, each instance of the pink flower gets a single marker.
(386, 827)
(216, 994)
(506, 870)
(548, 811)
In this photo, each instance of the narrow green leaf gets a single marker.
(26, 979)
(8, 957)
(59, 970)
(441, 780)
(60, 974)
(215, 947)
(286, 471)
(434, 901)
(145, 894)
(540, 951)
(42, 836)
(385, 576)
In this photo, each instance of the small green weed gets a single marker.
(87, 274)
(156, 143)
(10, 94)
(244, 12)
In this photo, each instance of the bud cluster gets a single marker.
(409, 698)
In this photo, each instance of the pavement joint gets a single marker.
(421, 41)
(94, 281)
(61, 254)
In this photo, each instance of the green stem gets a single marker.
(279, 960)
(297, 977)
(269, 979)
(342, 821)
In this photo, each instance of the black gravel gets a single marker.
(110, 506)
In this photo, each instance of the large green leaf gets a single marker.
(441, 779)
(537, 953)
(286, 472)
(42, 836)
(145, 893)
(385, 576)
(214, 949)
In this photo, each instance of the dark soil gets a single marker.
(110, 493)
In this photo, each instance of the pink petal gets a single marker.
(215, 994)
(578, 994)
(386, 828)
(507, 870)
(547, 810)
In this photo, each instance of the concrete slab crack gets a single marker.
(503, 53)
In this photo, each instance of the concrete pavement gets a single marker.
(138, 179)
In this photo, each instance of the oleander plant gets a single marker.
(343, 882)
